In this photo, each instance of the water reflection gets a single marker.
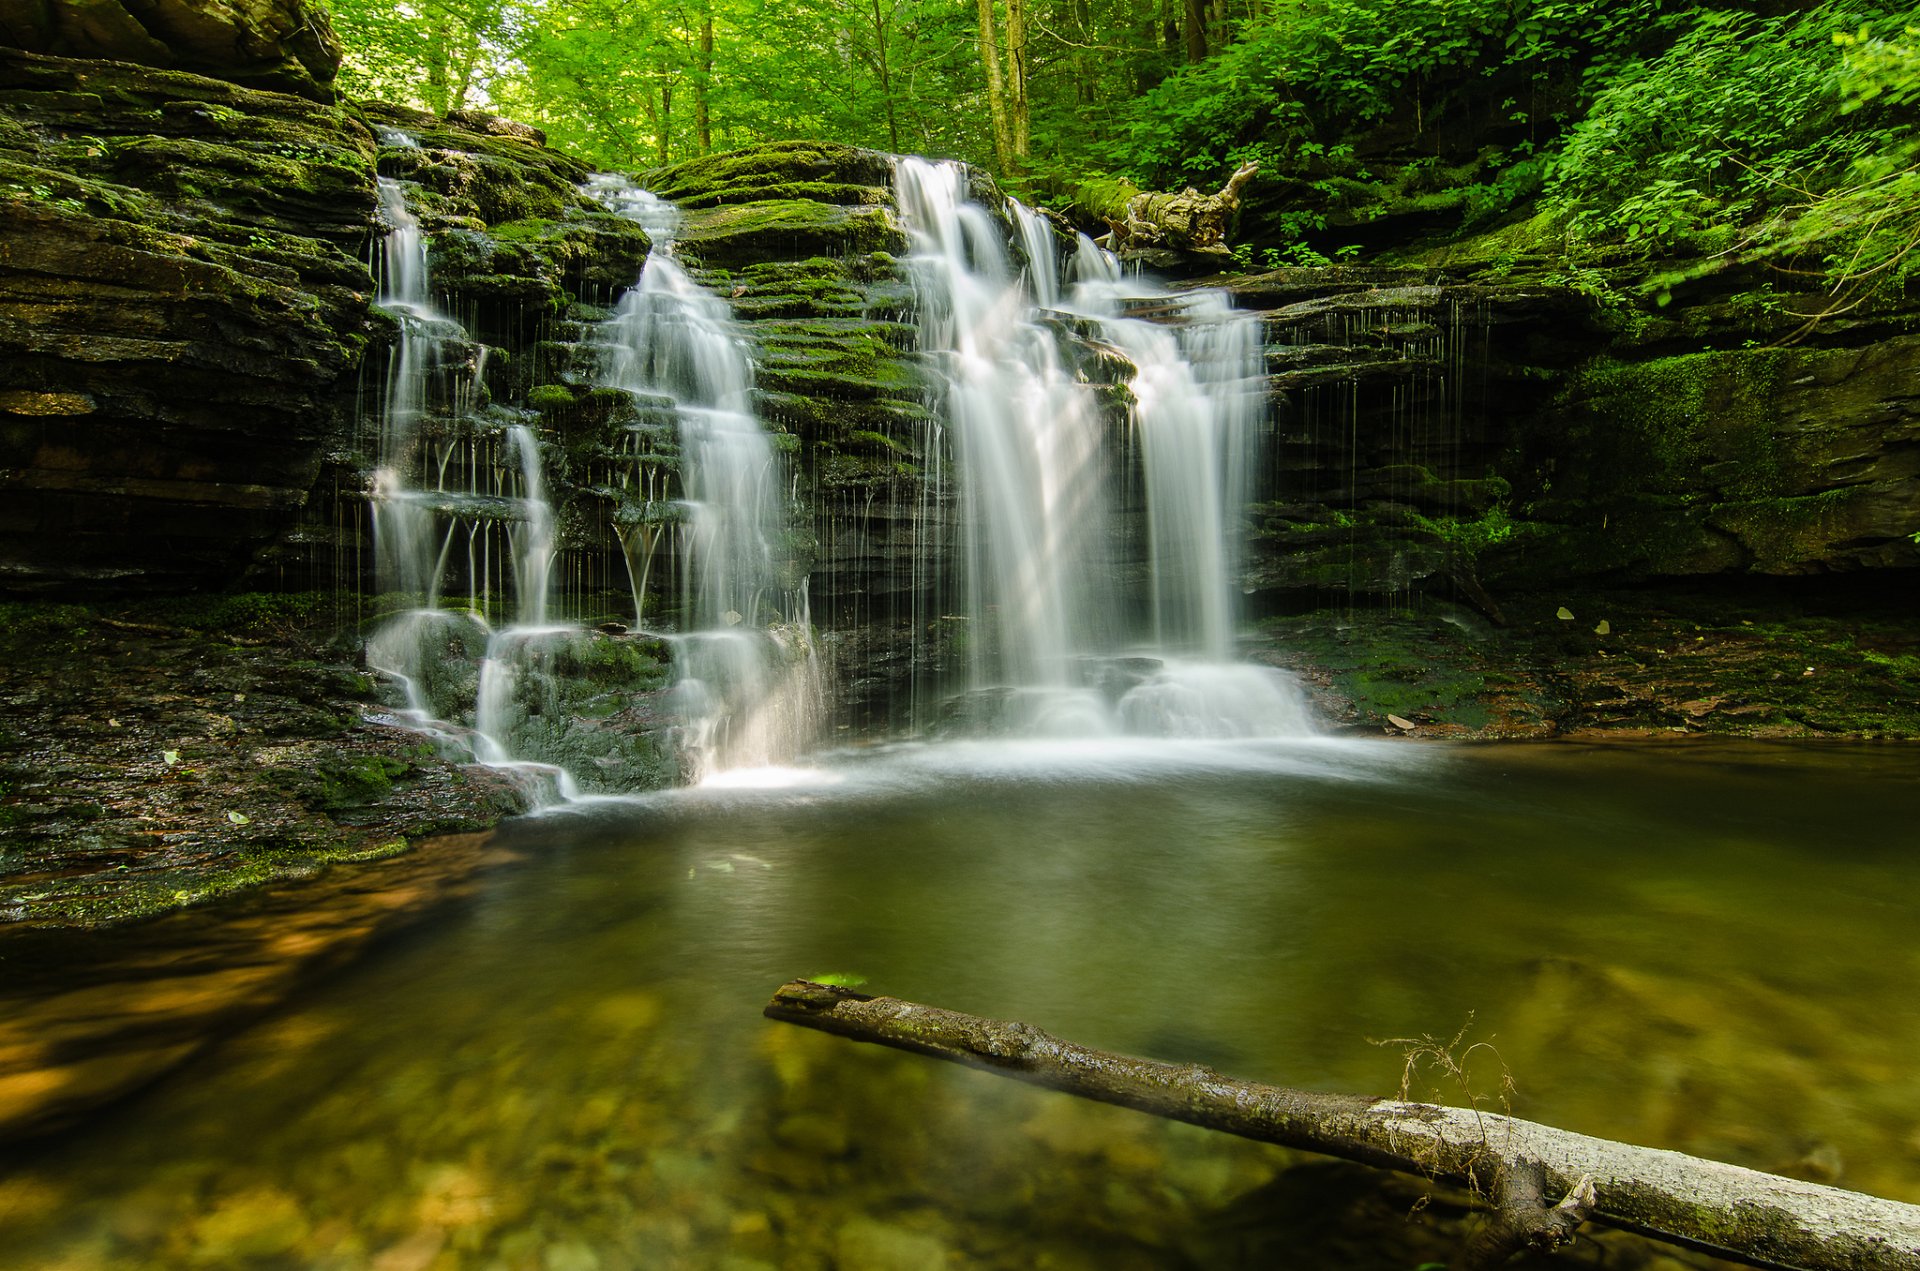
(1709, 950)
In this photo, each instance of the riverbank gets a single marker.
(1834, 658)
(158, 754)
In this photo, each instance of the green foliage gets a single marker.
(1310, 71)
(1753, 138)
(438, 55)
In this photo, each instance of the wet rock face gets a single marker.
(1433, 433)
(1395, 395)
(511, 234)
(1773, 461)
(186, 320)
(183, 310)
(804, 240)
(285, 46)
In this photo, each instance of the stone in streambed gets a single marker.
(877, 1246)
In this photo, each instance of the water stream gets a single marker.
(456, 475)
(454, 485)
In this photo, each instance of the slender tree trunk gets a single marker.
(702, 84)
(469, 63)
(996, 87)
(1083, 63)
(1195, 30)
(436, 90)
(663, 136)
(886, 78)
(1021, 124)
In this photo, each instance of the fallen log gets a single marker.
(1739, 1214)
(1141, 221)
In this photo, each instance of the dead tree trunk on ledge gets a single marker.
(1739, 1214)
(1186, 222)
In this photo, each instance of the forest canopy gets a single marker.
(1650, 125)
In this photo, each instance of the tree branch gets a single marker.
(1740, 1214)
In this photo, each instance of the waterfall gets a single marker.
(1053, 640)
(750, 683)
(445, 478)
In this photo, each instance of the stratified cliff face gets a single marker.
(804, 239)
(187, 320)
(286, 46)
(183, 312)
(188, 331)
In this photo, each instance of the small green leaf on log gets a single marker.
(1605, 628)
(839, 979)
(171, 757)
(1564, 614)
(239, 818)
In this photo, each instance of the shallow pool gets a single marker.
(1714, 949)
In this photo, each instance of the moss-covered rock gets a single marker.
(1781, 461)
(734, 234)
(510, 227)
(284, 46)
(828, 172)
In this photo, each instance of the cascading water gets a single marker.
(1046, 623)
(750, 682)
(432, 491)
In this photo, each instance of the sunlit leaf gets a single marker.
(839, 979)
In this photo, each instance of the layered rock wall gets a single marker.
(183, 314)
(281, 45)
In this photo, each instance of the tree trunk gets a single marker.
(702, 85)
(1186, 222)
(436, 88)
(663, 134)
(1739, 1214)
(1020, 117)
(886, 78)
(1195, 30)
(996, 88)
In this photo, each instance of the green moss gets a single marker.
(240, 613)
(549, 397)
(337, 783)
(1100, 199)
(1471, 537)
(1655, 425)
(771, 166)
(1782, 532)
(778, 229)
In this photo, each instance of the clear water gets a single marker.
(1707, 949)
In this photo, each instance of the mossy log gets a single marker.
(1738, 1214)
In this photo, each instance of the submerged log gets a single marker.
(1738, 1214)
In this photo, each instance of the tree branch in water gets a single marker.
(1739, 1214)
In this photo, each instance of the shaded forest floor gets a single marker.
(1832, 660)
(164, 753)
